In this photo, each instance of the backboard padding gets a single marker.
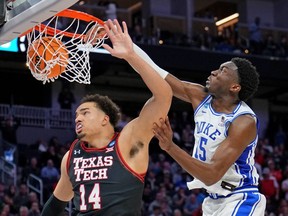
(28, 14)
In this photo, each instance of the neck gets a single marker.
(224, 105)
(101, 141)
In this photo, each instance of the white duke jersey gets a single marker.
(211, 128)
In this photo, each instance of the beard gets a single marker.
(206, 90)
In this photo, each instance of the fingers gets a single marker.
(107, 27)
(113, 27)
(125, 28)
(107, 47)
(118, 37)
(95, 33)
(159, 129)
(158, 133)
(156, 128)
(167, 122)
(163, 132)
(117, 26)
(164, 123)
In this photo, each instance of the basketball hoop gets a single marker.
(72, 28)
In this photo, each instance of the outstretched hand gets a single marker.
(122, 45)
(164, 134)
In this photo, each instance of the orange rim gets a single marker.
(68, 13)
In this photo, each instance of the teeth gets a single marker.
(79, 126)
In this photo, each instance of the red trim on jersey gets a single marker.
(90, 149)
(69, 155)
(140, 176)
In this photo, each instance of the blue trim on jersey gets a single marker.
(238, 107)
(202, 103)
(217, 113)
(244, 167)
(239, 203)
(247, 189)
(243, 113)
(228, 115)
(247, 205)
(243, 164)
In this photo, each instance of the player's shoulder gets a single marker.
(196, 94)
(246, 122)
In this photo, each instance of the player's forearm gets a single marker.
(53, 207)
(146, 58)
(157, 85)
(177, 85)
(203, 171)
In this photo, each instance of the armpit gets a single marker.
(136, 148)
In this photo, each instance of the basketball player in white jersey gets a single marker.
(222, 161)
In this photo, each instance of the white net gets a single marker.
(58, 48)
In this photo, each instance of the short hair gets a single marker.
(248, 78)
(106, 105)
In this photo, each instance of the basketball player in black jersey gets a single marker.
(103, 172)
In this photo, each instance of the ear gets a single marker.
(235, 88)
(105, 120)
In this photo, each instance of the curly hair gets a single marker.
(248, 78)
(106, 105)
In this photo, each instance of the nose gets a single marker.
(77, 119)
(214, 72)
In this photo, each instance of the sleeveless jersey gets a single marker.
(103, 184)
(211, 129)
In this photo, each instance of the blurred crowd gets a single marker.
(228, 39)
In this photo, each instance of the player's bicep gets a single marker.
(152, 111)
(240, 134)
(187, 91)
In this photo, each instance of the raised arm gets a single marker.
(159, 104)
(186, 91)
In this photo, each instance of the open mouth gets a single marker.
(78, 128)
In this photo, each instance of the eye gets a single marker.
(222, 69)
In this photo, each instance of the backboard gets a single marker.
(22, 15)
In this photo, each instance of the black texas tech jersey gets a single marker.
(102, 183)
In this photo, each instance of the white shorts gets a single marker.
(237, 204)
